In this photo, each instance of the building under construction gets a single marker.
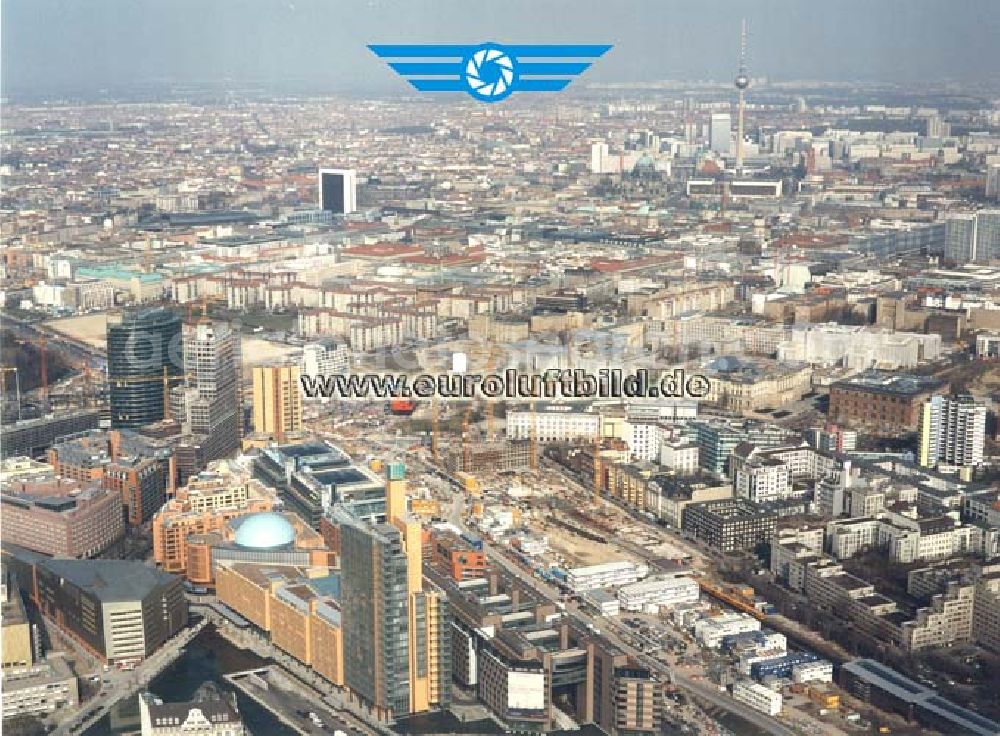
(481, 458)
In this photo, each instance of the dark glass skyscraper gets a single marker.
(338, 190)
(146, 342)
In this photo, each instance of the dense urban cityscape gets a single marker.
(796, 530)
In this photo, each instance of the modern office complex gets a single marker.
(141, 483)
(144, 359)
(338, 190)
(729, 525)
(973, 237)
(120, 610)
(312, 476)
(204, 506)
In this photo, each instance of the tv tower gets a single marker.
(742, 81)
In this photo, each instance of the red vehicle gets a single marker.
(402, 407)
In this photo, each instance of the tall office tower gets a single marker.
(210, 402)
(993, 182)
(987, 236)
(720, 133)
(144, 353)
(598, 157)
(277, 400)
(952, 431)
(338, 190)
(960, 238)
(376, 631)
(741, 82)
(397, 654)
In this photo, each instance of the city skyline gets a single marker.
(651, 407)
(143, 49)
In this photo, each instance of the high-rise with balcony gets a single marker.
(952, 431)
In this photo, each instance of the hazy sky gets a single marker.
(87, 45)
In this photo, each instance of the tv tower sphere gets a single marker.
(742, 81)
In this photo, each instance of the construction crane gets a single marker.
(203, 301)
(434, 429)
(147, 256)
(533, 438)
(466, 447)
(598, 468)
(43, 349)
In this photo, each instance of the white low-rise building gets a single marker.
(821, 671)
(658, 592)
(39, 689)
(679, 455)
(763, 480)
(643, 439)
(553, 423)
(605, 575)
(858, 347)
(748, 659)
(602, 602)
(710, 631)
(757, 697)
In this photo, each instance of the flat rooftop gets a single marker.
(889, 382)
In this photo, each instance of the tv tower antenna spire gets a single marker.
(742, 81)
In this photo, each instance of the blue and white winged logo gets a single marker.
(490, 72)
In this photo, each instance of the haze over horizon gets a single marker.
(62, 46)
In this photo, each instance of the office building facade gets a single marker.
(338, 190)
(142, 485)
(210, 402)
(277, 401)
(144, 352)
(973, 237)
(720, 133)
(729, 525)
(119, 610)
(62, 518)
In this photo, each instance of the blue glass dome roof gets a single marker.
(264, 531)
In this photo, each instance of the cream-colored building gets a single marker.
(16, 631)
(742, 387)
(277, 401)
